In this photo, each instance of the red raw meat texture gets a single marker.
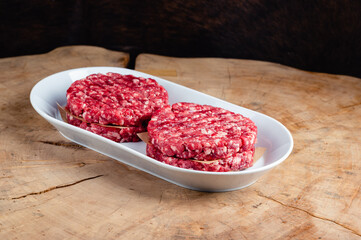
(114, 99)
(189, 130)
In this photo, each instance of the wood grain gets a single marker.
(315, 193)
(37, 163)
(51, 188)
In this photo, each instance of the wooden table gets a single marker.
(51, 188)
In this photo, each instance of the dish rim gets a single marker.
(144, 156)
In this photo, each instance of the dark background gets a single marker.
(321, 35)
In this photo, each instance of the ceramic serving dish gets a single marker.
(272, 135)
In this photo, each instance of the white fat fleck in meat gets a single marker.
(207, 131)
(135, 80)
(207, 151)
(174, 148)
(220, 134)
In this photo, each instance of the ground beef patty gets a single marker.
(114, 99)
(193, 131)
(128, 134)
(237, 162)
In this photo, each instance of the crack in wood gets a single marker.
(354, 196)
(6, 177)
(351, 105)
(229, 76)
(309, 213)
(64, 144)
(53, 188)
(160, 198)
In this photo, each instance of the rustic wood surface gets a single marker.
(51, 188)
(315, 193)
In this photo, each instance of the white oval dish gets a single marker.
(271, 134)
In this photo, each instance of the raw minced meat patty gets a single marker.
(128, 134)
(193, 131)
(116, 99)
(237, 162)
